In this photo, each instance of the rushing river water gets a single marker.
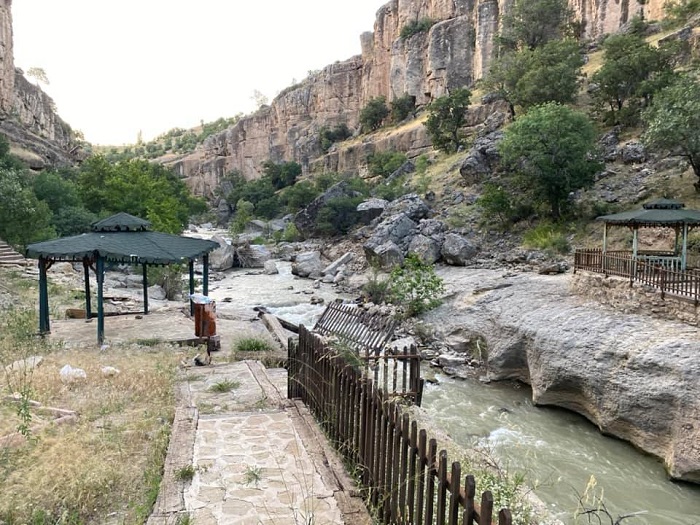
(559, 451)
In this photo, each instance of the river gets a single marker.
(559, 451)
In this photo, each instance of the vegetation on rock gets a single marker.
(446, 116)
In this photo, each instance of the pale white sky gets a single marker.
(119, 66)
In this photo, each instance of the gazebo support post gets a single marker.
(44, 327)
(635, 245)
(88, 306)
(605, 238)
(145, 289)
(191, 266)
(205, 274)
(100, 300)
(675, 242)
(684, 253)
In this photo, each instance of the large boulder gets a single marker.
(308, 264)
(397, 229)
(305, 220)
(426, 248)
(385, 256)
(371, 209)
(634, 153)
(482, 157)
(223, 257)
(410, 205)
(457, 251)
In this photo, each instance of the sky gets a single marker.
(120, 67)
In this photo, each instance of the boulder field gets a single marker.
(634, 376)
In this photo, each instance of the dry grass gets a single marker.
(108, 462)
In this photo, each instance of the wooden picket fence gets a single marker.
(404, 477)
(682, 284)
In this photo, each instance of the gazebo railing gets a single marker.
(656, 269)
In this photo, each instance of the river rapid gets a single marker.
(559, 451)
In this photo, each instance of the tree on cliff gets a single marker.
(373, 114)
(532, 23)
(550, 152)
(673, 122)
(631, 73)
(529, 77)
(446, 116)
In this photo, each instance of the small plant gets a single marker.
(402, 107)
(416, 26)
(416, 286)
(384, 163)
(252, 476)
(221, 387)
(152, 341)
(185, 473)
(291, 233)
(496, 204)
(376, 289)
(252, 344)
(184, 519)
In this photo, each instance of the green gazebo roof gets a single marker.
(123, 238)
(660, 212)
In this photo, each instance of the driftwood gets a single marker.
(60, 416)
(244, 254)
(285, 324)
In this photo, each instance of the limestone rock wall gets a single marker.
(456, 51)
(635, 376)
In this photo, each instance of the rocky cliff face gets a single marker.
(456, 51)
(27, 114)
(634, 376)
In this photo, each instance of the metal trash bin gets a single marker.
(204, 315)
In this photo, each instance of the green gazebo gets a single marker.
(121, 238)
(665, 213)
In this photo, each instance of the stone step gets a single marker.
(8, 255)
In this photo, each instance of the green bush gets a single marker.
(376, 289)
(337, 216)
(329, 136)
(446, 116)
(416, 287)
(416, 26)
(252, 344)
(496, 204)
(547, 237)
(402, 107)
(384, 163)
(373, 114)
(290, 233)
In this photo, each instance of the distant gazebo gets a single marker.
(665, 213)
(121, 238)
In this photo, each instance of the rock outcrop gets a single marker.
(27, 115)
(635, 377)
(456, 51)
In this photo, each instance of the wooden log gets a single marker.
(275, 328)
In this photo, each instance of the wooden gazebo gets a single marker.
(665, 213)
(121, 238)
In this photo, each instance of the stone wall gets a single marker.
(617, 293)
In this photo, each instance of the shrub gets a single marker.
(416, 287)
(290, 233)
(402, 107)
(328, 137)
(373, 114)
(337, 216)
(169, 278)
(416, 26)
(547, 237)
(298, 196)
(496, 204)
(384, 163)
(446, 116)
(376, 289)
(244, 212)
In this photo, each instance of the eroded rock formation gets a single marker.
(635, 377)
(456, 51)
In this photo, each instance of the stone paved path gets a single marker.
(257, 458)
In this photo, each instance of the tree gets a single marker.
(38, 74)
(526, 78)
(283, 174)
(532, 23)
(373, 114)
(673, 122)
(402, 107)
(551, 151)
(632, 71)
(446, 116)
(23, 217)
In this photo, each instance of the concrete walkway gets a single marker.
(257, 457)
